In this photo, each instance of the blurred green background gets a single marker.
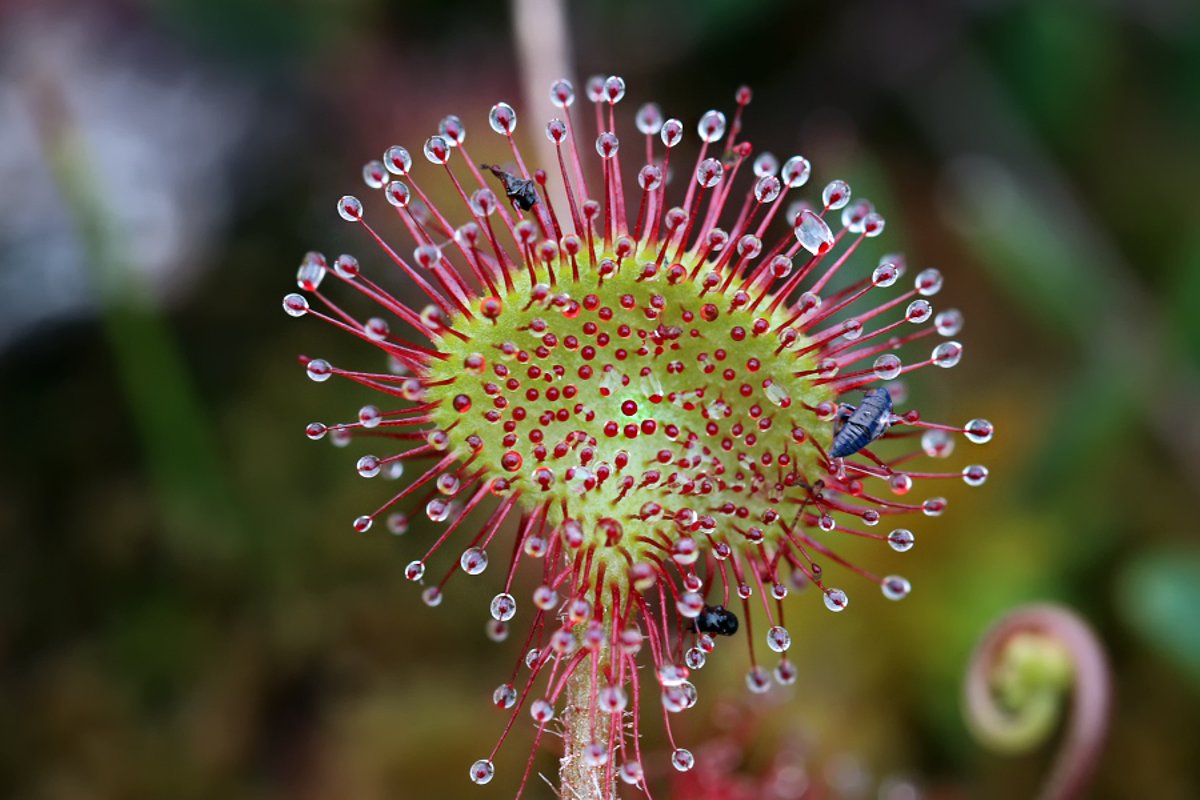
(184, 609)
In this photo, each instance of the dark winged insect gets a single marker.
(717, 620)
(520, 192)
(855, 428)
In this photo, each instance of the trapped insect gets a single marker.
(522, 193)
(717, 620)
(855, 428)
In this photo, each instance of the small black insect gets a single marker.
(522, 193)
(717, 620)
(855, 428)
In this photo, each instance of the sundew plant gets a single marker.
(668, 396)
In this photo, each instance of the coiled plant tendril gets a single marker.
(1017, 684)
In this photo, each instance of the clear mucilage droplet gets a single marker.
(397, 194)
(650, 177)
(437, 150)
(709, 173)
(595, 88)
(556, 131)
(778, 639)
(505, 696)
(671, 133)
(562, 93)
(836, 195)
(451, 129)
(682, 759)
(349, 208)
(482, 771)
(711, 126)
(928, 282)
(614, 89)
(836, 600)
(473, 561)
(796, 171)
(346, 267)
(541, 711)
(595, 754)
(649, 119)
(503, 119)
(975, 474)
(949, 322)
(947, 354)
(813, 234)
(758, 680)
(938, 443)
(765, 164)
(607, 145)
(504, 607)
(767, 189)
(296, 305)
(895, 587)
(885, 275)
(979, 431)
(631, 773)
(887, 367)
(319, 370)
(374, 174)
(397, 160)
(901, 540)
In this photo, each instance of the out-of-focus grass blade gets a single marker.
(195, 500)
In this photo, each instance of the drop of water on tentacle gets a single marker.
(473, 561)
(887, 367)
(397, 160)
(296, 305)
(975, 474)
(504, 607)
(503, 119)
(451, 129)
(505, 696)
(682, 759)
(836, 600)
(711, 126)
(949, 322)
(979, 431)
(765, 164)
(836, 194)
(649, 119)
(901, 540)
(947, 354)
(813, 234)
(758, 680)
(895, 587)
(482, 771)
(562, 93)
(939, 443)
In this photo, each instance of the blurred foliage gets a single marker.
(1160, 594)
(184, 611)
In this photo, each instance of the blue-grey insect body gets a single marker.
(855, 428)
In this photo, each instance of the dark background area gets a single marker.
(185, 611)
